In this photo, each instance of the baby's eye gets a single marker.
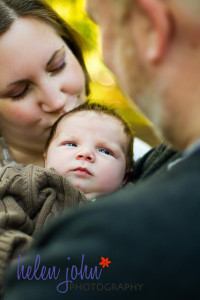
(105, 151)
(70, 144)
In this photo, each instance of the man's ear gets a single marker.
(160, 27)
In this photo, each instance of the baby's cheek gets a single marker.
(111, 180)
(59, 167)
(53, 161)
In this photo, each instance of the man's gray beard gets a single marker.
(145, 93)
(147, 98)
(151, 106)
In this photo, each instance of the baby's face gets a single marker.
(90, 151)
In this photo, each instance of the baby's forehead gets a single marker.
(87, 115)
(84, 120)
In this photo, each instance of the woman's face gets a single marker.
(40, 79)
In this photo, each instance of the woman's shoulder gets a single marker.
(5, 156)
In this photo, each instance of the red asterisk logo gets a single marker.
(104, 262)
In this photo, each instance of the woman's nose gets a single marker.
(86, 155)
(52, 99)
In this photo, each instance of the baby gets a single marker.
(92, 146)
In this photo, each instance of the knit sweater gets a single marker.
(29, 197)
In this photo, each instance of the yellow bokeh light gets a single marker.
(104, 88)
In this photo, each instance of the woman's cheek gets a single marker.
(74, 75)
(25, 116)
(18, 114)
(75, 82)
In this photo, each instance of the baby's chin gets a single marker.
(87, 190)
(91, 196)
(94, 195)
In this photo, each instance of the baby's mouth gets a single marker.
(81, 170)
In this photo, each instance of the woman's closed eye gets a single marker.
(57, 68)
(57, 63)
(19, 92)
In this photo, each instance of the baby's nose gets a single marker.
(88, 156)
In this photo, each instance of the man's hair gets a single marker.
(11, 10)
(101, 110)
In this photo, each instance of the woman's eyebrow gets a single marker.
(54, 55)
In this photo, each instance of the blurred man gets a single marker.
(154, 57)
(150, 233)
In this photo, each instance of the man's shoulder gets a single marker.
(155, 159)
(141, 229)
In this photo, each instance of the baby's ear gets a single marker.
(127, 176)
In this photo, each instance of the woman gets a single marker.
(42, 75)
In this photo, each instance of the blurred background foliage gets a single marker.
(104, 88)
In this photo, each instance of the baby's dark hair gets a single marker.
(99, 109)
